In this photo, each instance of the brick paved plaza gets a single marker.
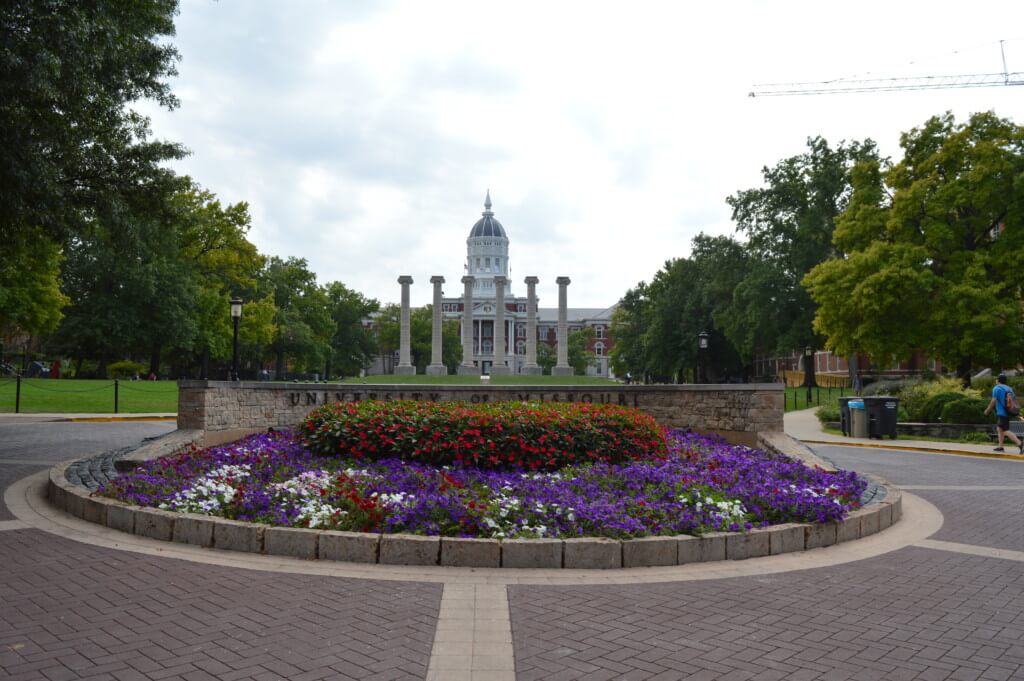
(81, 602)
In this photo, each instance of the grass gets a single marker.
(978, 439)
(73, 396)
(796, 398)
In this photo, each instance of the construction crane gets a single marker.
(842, 85)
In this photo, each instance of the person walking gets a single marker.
(1001, 400)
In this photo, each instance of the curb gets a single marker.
(925, 450)
(406, 549)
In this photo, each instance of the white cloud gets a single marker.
(364, 135)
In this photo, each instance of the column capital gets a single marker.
(531, 280)
(405, 279)
(468, 279)
(501, 280)
(437, 279)
(563, 281)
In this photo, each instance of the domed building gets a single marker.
(487, 257)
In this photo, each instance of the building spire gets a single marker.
(487, 204)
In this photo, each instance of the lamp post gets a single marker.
(702, 351)
(236, 314)
(809, 371)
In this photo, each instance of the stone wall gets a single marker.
(226, 410)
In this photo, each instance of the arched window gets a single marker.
(520, 347)
(599, 349)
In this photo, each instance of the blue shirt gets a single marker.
(999, 392)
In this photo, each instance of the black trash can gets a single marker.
(882, 415)
(844, 414)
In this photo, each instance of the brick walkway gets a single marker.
(74, 610)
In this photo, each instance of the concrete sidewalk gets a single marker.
(805, 426)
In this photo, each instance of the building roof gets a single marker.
(487, 225)
(574, 315)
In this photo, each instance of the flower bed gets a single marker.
(499, 436)
(696, 485)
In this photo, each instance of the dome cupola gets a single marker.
(487, 253)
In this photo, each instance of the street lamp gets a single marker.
(809, 371)
(702, 351)
(236, 314)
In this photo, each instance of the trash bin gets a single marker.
(858, 419)
(844, 414)
(882, 412)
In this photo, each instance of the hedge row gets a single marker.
(502, 435)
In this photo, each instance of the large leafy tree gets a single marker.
(213, 242)
(788, 225)
(352, 344)
(68, 71)
(303, 321)
(657, 325)
(932, 250)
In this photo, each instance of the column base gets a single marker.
(562, 371)
(469, 370)
(409, 370)
(500, 370)
(437, 370)
(532, 370)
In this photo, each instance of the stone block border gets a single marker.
(395, 549)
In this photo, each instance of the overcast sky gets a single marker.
(364, 136)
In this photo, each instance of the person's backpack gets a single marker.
(1012, 406)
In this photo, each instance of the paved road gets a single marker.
(950, 607)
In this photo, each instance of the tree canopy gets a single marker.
(932, 250)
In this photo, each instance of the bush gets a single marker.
(966, 410)
(126, 369)
(914, 398)
(491, 436)
(931, 411)
(829, 412)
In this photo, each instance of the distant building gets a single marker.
(487, 257)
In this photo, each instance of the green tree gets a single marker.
(303, 321)
(789, 225)
(579, 356)
(30, 297)
(932, 250)
(67, 74)
(213, 241)
(547, 357)
(352, 344)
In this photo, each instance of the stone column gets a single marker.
(530, 367)
(500, 367)
(562, 367)
(436, 366)
(467, 366)
(405, 366)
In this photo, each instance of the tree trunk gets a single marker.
(204, 364)
(854, 368)
(279, 365)
(154, 360)
(963, 370)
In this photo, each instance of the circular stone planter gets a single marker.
(408, 549)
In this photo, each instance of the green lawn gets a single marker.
(73, 396)
(796, 398)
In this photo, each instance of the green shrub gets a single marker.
(966, 410)
(501, 435)
(914, 398)
(931, 410)
(828, 412)
(125, 369)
